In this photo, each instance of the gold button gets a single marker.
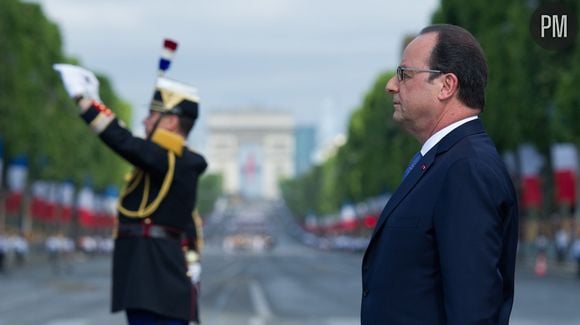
(147, 221)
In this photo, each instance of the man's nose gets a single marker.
(392, 85)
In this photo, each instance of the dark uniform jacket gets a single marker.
(155, 211)
(444, 248)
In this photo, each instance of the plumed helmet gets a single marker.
(173, 97)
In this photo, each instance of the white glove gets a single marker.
(194, 272)
(78, 81)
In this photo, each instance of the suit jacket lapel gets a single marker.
(467, 129)
(404, 188)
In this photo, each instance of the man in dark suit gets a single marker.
(155, 260)
(444, 248)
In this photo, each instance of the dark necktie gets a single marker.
(412, 163)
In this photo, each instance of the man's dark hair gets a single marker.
(458, 52)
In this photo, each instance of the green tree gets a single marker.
(38, 118)
(209, 190)
(303, 194)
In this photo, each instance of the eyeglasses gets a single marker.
(402, 76)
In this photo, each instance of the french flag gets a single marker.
(108, 207)
(531, 163)
(16, 178)
(311, 222)
(38, 203)
(348, 218)
(167, 53)
(565, 163)
(67, 197)
(52, 201)
(85, 206)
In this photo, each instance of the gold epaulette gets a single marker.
(169, 140)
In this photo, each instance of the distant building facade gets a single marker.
(252, 149)
(305, 147)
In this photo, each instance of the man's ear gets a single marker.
(450, 86)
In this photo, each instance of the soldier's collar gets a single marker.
(169, 140)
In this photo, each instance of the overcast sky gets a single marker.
(313, 58)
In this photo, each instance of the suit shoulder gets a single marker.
(479, 147)
(477, 153)
(195, 158)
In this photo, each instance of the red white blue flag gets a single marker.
(167, 53)
(565, 163)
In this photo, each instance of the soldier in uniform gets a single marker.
(156, 256)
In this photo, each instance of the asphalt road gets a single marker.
(291, 284)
